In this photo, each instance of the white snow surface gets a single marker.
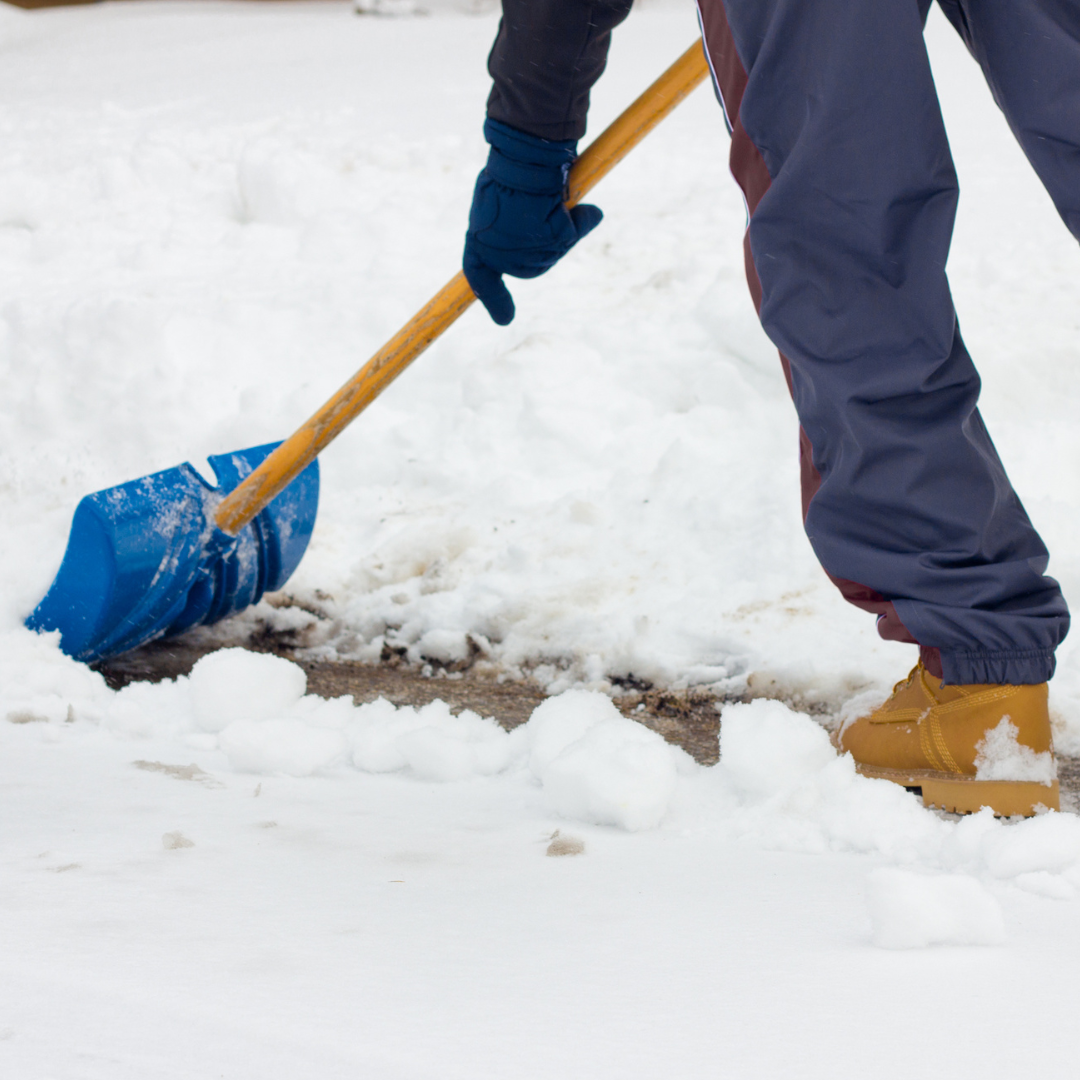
(375, 899)
(911, 911)
(210, 214)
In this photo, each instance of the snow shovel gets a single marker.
(155, 556)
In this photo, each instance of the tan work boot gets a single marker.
(966, 746)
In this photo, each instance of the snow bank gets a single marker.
(430, 743)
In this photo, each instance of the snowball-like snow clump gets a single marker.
(765, 748)
(234, 684)
(911, 911)
(597, 766)
(999, 755)
(560, 721)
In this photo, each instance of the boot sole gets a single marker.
(966, 795)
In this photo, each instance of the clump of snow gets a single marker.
(766, 748)
(142, 709)
(430, 742)
(40, 683)
(593, 764)
(1043, 883)
(786, 788)
(446, 646)
(911, 910)
(999, 755)
(560, 721)
(597, 766)
(1049, 842)
(617, 773)
(860, 705)
(236, 684)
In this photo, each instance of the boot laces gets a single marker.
(915, 671)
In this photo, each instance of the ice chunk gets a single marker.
(911, 911)
(765, 748)
(999, 755)
(235, 684)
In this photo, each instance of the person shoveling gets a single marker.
(838, 144)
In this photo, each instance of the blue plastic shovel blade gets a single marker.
(144, 559)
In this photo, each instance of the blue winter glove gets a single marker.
(518, 224)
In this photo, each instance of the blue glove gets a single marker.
(518, 224)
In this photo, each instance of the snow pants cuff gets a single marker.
(1014, 667)
(967, 646)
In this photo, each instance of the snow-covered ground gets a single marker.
(210, 214)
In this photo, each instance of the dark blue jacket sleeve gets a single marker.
(546, 58)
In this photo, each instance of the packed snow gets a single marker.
(209, 216)
(999, 755)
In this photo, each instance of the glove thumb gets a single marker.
(585, 218)
(490, 291)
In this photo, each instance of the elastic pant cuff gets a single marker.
(1013, 667)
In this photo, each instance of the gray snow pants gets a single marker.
(839, 146)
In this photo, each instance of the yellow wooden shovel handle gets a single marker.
(300, 449)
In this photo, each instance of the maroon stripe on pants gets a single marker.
(752, 175)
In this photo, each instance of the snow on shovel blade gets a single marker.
(145, 560)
